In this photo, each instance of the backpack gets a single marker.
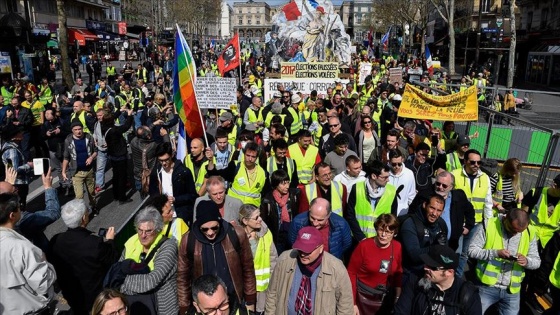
(420, 228)
(230, 233)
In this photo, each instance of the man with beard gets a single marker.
(441, 291)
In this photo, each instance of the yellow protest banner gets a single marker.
(309, 70)
(462, 106)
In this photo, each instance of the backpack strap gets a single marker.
(234, 239)
(154, 250)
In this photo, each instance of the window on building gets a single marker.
(359, 19)
(486, 4)
(258, 22)
(240, 21)
(249, 22)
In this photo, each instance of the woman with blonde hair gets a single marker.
(263, 248)
(110, 301)
(506, 186)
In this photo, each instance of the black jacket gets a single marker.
(424, 172)
(548, 258)
(270, 214)
(462, 212)
(183, 189)
(416, 300)
(81, 261)
(116, 144)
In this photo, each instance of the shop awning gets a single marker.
(81, 35)
(107, 36)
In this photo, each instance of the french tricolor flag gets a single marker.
(429, 63)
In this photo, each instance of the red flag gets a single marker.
(230, 58)
(291, 11)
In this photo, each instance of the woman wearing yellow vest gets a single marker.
(262, 246)
(172, 226)
(162, 278)
(506, 186)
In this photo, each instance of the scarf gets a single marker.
(282, 201)
(374, 193)
(304, 301)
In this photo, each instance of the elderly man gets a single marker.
(216, 192)
(253, 115)
(335, 232)
(326, 144)
(504, 248)
(27, 278)
(213, 246)
(308, 280)
(81, 282)
(79, 157)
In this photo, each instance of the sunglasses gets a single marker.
(442, 185)
(423, 154)
(434, 268)
(332, 126)
(367, 122)
(475, 162)
(396, 164)
(206, 229)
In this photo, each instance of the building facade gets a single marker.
(252, 19)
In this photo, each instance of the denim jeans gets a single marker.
(101, 166)
(508, 304)
(32, 224)
(463, 250)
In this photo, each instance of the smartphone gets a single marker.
(102, 232)
(435, 140)
(41, 166)
(512, 257)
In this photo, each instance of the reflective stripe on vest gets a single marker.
(545, 225)
(453, 162)
(476, 197)
(133, 249)
(262, 261)
(272, 166)
(242, 189)
(336, 201)
(199, 177)
(305, 163)
(296, 124)
(555, 273)
(488, 271)
(364, 215)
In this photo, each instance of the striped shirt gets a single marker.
(507, 187)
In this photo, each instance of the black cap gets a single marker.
(207, 211)
(441, 256)
(557, 180)
(462, 140)
(76, 124)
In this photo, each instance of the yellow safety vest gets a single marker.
(232, 136)
(336, 199)
(111, 71)
(555, 273)
(363, 209)
(453, 162)
(271, 165)
(487, 271)
(6, 94)
(99, 105)
(46, 97)
(305, 162)
(248, 193)
(177, 230)
(144, 75)
(365, 96)
(254, 117)
(82, 119)
(199, 177)
(296, 124)
(262, 262)
(36, 109)
(133, 249)
(477, 196)
(545, 226)
(269, 117)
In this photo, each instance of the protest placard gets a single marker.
(216, 92)
(395, 75)
(305, 86)
(364, 71)
(461, 106)
(309, 70)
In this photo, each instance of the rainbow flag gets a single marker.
(184, 80)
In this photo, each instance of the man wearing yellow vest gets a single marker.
(253, 115)
(196, 163)
(504, 248)
(306, 154)
(111, 74)
(324, 187)
(280, 161)
(544, 206)
(296, 124)
(45, 93)
(370, 199)
(248, 180)
(81, 115)
(6, 91)
(455, 159)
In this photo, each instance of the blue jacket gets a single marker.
(340, 238)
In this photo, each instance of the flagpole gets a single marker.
(239, 52)
(194, 87)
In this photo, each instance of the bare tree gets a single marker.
(67, 79)
(512, 44)
(195, 14)
(446, 10)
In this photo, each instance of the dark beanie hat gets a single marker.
(207, 211)
(76, 124)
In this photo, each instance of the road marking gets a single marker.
(34, 194)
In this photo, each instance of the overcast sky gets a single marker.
(274, 3)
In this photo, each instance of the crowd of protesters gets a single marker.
(327, 203)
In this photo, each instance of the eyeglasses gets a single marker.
(335, 125)
(475, 162)
(384, 231)
(255, 218)
(213, 228)
(223, 307)
(396, 164)
(145, 232)
(329, 175)
(164, 160)
(442, 185)
(120, 311)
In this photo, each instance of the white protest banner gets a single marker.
(395, 75)
(305, 86)
(216, 92)
(364, 71)
(5, 63)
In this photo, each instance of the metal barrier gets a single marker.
(502, 136)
